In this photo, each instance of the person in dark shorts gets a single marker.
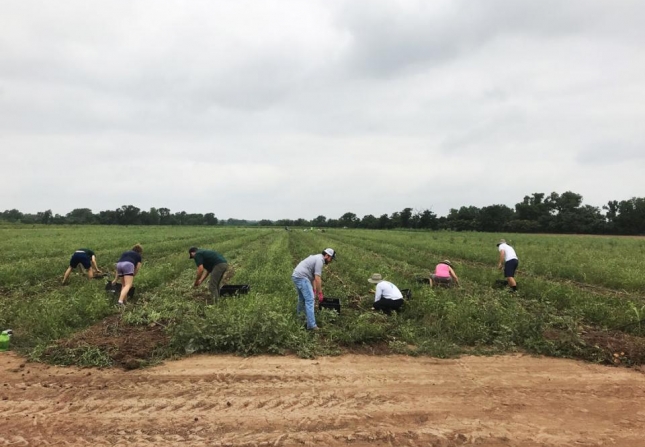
(84, 257)
(387, 296)
(127, 268)
(209, 262)
(510, 261)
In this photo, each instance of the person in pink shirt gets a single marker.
(444, 275)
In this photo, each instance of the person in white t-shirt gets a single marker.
(387, 296)
(508, 259)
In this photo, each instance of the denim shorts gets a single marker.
(125, 268)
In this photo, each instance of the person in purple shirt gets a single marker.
(127, 268)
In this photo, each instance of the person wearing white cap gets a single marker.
(387, 296)
(508, 257)
(307, 277)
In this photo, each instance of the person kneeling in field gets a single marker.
(444, 275)
(84, 257)
(387, 296)
(209, 262)
(127, 268)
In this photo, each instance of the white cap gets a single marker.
(330, 252)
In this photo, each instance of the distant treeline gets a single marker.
(537, 213)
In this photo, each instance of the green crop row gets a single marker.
(612, 262)
(550, 314)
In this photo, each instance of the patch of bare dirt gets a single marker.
(126, 345)
(354, 400)
(619, 348)
(609, 347)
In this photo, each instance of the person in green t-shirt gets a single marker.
(209, 262)
(82, 257)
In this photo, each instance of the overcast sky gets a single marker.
(287, 109)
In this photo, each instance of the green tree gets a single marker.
(319, 221)
(12, 215)
(81, 216)
(45, 217)
(630, 218)
(128, 215)
(384, 222)
(428, 220)
(164, 216)
(108, 217)
(349, 220)
(495, 218)
(210, 219)
(465, 218)
(370, 222)
(406, 218)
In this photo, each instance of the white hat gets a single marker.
(330, 252)
(375, 278)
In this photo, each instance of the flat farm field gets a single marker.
(460, 365)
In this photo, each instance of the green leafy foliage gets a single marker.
(572, 290)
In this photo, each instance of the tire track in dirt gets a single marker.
(355, 400)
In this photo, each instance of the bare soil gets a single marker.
(126, 345)
(332, 401)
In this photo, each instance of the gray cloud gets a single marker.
(294, 109)
(612, 152)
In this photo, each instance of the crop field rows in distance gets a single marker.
(560, 310)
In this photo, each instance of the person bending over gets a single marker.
(127, 268)
(209, 262)
(307, 277)
(387, 296)
(444, 275)
(84, 257)
(510, 261)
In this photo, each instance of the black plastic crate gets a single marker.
(234, 289)
(115, 289)
(330, 303)
(407, 293)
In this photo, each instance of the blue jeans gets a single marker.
(305, 299)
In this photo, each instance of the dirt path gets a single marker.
(331, 401)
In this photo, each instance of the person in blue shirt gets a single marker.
(84, 257)
(127, 268)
